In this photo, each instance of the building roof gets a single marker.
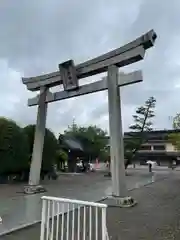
(158, 153)
(73, 144)
(156, 135)
(70, 142)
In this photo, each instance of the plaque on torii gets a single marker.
(69, 75)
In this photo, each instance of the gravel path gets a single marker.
(157, 215)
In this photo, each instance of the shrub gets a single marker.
(13, 147)
(50, 146)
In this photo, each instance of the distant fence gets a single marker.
(68, 219)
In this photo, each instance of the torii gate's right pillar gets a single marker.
(116, 134)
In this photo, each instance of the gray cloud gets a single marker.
(37, 35)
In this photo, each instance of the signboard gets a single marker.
(68, 75)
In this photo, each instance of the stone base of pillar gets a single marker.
(123, 202)
(33, 189)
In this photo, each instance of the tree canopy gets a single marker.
(50, 146)
(93, 139)
(142, 124)
(174, 138)
(13, 147)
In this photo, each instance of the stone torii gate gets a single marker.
(68, 75)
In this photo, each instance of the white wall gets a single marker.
(170, 147)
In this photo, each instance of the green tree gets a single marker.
(61, 158)
(93, 139)
(13, 147)
(142, 124)
(174, 138)
(50, 146)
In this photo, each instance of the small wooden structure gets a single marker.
(74, 150)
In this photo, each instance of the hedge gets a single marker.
(14, 148)
(50, 146)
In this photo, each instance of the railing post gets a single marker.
(104, 228)
(43, 219)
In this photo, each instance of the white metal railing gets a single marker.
(68, 219)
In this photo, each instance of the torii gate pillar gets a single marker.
(36, 161)
(116, 134)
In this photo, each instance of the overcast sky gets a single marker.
(37, 35)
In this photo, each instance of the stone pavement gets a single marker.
(20, 211)
(145, 221)
(157, 215)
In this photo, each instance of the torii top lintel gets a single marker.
(127, 54)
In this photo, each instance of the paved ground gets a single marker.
(155, 217)
(71, 181)
(20, 210)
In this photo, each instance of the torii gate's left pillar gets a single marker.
(36, 160)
